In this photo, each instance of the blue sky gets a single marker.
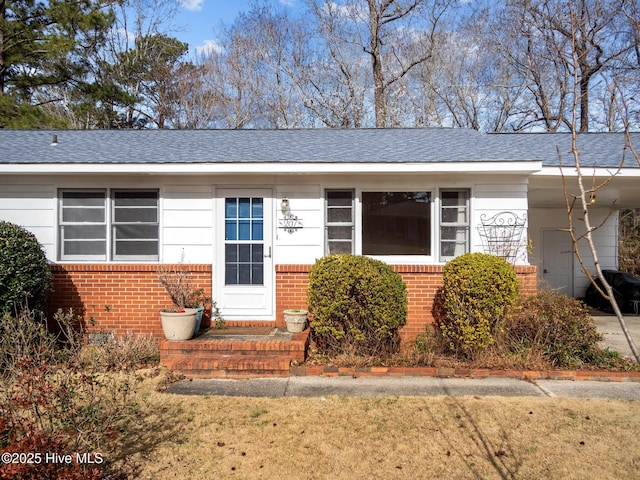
(196, 19)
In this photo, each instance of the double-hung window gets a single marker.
(454, 223)
(108, 224)
(399, 223)
(340, 222)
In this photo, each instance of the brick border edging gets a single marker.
(450, 372)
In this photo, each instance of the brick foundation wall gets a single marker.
(118, 298)
(121, 298)
(423, 282)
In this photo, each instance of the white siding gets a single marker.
(187, 217)
(305, 244)
(33, 207)
(493, 198)
(605, 239)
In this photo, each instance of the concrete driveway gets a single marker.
(614, 338)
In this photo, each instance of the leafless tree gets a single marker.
(190, 103)
(580, 201)
(395, 36)
(540, 38)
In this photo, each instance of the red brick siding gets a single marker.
(134, 296)
(423, 282)
(117, 298)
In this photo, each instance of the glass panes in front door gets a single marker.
(244, 241)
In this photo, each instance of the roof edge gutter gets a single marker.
(506, 167)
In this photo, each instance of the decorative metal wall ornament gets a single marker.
(289, 222)
(501, 235)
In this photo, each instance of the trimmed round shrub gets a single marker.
(477, 289)
(357, 304)
(25, 276)
(558, 326)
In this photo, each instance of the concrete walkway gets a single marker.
(614, 338)
(318, 386)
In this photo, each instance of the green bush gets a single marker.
(25, 276)
(477, 289)
(558, 326)
(357, 304)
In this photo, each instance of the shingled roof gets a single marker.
(402, 145)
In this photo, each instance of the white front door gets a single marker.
(244, 264)
(557, 261)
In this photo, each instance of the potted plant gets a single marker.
(296, 319)
(179, 322)
(200, 301)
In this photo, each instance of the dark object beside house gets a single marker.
(626, 290)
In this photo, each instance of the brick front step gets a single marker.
(232, 366)
(235, 356)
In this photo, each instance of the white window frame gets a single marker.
(442, 224)
(109, 223)
(328, 224)
(435, 223)
(399, 259)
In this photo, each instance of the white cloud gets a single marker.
(191, 5)
(209, 46)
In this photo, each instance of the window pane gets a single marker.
(339, 247)
(131, 232)
(83, 199)
(136, 248)
(231, 208)
(244, 230)
(257, 274)
(257, 253)
(244, 253)
(135, 199)
(339, 215)
(396, 223)
(257, 208)
(344, 233)
(84, 232)
(339, 198)
(244, 274)
(454, 198)
(454, 233)
(130, 215)
(454, 215)
(256, 230)
(231, 274)
(84, 247)
(244, 209)
(230, 230)
(83, 215)
(231, 253)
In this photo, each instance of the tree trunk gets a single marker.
(379, 100)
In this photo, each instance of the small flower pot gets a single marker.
(296, 320)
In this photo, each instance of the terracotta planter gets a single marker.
(296, 320)
(178, 325)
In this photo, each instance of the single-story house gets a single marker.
(249, 211)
